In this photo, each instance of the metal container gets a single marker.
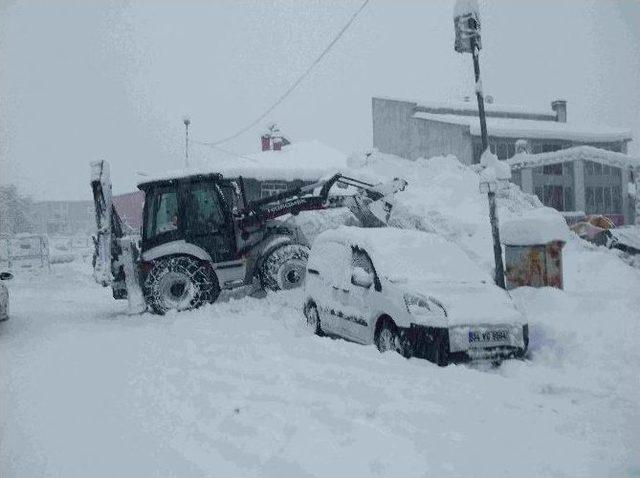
(537, 265)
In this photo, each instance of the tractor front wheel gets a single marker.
(179, 283)
(285, 267)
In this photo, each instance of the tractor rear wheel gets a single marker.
(285, 267)
(179, 283)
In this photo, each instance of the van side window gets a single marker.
(359, 258)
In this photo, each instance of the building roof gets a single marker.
(305, 160)
(531, 129)
(588, 153)
(471, 108)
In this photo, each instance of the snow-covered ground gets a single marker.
(242, 388)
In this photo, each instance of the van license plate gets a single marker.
(484, 338)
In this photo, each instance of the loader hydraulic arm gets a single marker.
(371, 204)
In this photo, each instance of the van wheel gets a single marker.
(285, 267)
(313, 318)
(386, 337)
(179, 283)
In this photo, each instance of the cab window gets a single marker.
(206, 208)
(162, 214)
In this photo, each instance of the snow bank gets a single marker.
(539, 226)
(305, 160)
(443, 196)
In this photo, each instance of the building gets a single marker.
(412, 129)
(573, 168)
(584, 180)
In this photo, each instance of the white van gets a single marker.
(409, 291)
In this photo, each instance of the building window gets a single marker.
(554, 197)
(616, 199)
(557, 197)
(270, 188)
(552, 169)
(588, 168)
(597, 169)
(568, 199)
(603, 200)
(502, 149)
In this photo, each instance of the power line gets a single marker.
(295, 84)
(223, 150)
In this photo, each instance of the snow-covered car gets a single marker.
(409, 291)
(4, 295)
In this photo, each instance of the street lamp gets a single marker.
(466, 20)
(187, 121)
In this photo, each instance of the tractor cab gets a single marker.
(195, 210)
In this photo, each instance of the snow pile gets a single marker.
(305, 160)
(443, 196)
(538, 226)
(494, 169)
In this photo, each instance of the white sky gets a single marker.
(97, 79)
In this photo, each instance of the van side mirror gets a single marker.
(6, 275)
(361, 278)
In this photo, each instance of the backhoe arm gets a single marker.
(371, 204)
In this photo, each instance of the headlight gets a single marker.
(421, 305)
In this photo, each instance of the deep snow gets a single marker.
(243, 389)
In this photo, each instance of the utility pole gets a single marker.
(186, 122)
(466, 19)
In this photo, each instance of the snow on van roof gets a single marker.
(405, 254)
(527, 128)
(305, 160)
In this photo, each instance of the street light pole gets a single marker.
(186, 122)
(467, 25)
(491, 195)
(479, 93)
